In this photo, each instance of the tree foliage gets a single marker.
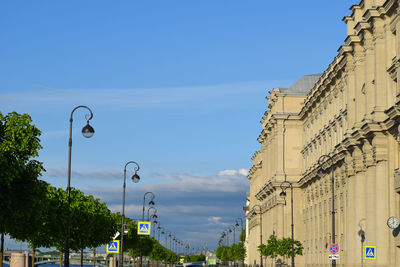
(19, 185)
(280, 247)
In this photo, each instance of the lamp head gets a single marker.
(151, 203)
(320, 173)
(237, 225)
(88, 130)
(135, 178)
(283, 194)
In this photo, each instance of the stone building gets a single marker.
(344, 122)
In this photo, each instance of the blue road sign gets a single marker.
(113, 247)
(370, 252)
(144, 228)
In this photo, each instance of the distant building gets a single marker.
(351, 113)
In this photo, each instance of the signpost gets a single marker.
(334, 249)
(144, 228)
(333, 257)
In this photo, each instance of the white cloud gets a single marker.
(224, 181)
(214, 219)
(129, 97)
(243, 172)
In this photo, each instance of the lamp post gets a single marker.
(151, 203)
(260, 212)
(283, 194)
(87, 132)
(241, 231)
(154, 215)
(155, 222)
(166, 238)
(223, 235)
(234, 234)
(135, 179)
(321, 160)
(159, 229)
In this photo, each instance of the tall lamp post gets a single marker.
(166, 238)
(260, 212)
(135, 179)
(151, 203)
(284, 186)
(153, 216)
(241, 231)
(234, 234)
(321, 160)
(87, 132)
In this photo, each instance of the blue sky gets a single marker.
(178, 86)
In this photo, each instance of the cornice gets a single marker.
(362, 25)
(255, 154)
(390, 5)
(254, 169)
(371, 13)
(392, 70)
(352, 39)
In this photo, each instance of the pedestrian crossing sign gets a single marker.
(144, 228)
(370, 252)
(113, 247)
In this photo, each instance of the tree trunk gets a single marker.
(1, 249)
(94, 257)
(134, 258)
(33, 256)
(61, 259)
(81, 257)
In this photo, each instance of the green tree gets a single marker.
(237, 251)
(19, 143)
(280, 247)
(222, 253)
(242, 236)
(285, 248)
(271, 249)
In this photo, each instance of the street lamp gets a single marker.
(87, 132)
(158, 229)
(321, 160)
(151, 203)
(166, 238)
(154, 215)
(284, 186)
(234, 233)
(155, 222)
(241, 232)
(260, 212)
(223, 235)
(135, 179)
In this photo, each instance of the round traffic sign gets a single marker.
(334, 248)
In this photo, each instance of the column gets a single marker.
(369, 224)
(359, 98)
(17, 260)
(369, 70)
(380, 143)
(381, 86)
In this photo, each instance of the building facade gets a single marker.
(343, 122)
